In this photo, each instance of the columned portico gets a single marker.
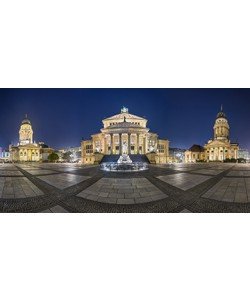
(122, 134)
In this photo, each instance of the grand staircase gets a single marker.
(136, 158)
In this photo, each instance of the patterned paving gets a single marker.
(10, 173)
(239, 174)
(184, 181)
(123, 191)
(207, 172)
(230, 190)
(40, 172)
(179, 188)
(18, 188)
(63, 181)
(56, 209)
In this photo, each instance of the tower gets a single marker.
(221, 127)
(26, 132)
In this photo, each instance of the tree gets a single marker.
(53, 157)
(67, 156)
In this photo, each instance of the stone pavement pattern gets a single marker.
(62, 181)
(18, 188)
(183, 181)
(123, 191)
(185, 188)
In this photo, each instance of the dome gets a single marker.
(26, 121)
(196, 148)
(221, 114)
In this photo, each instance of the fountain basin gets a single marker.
(128, 167)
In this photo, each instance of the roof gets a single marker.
(26, 120)
(221, 114)
(196, 148)
(125, 125)
(124, 113)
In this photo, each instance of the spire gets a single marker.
(221, 114)
(26, 116)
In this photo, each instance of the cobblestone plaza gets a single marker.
(176, 188)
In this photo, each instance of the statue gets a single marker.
(124, 148)
(125, 120)
(124, 110)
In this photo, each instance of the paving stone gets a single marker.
(208, 172)
(229, 190)
(18, 187)
(58, 209)
(62, 181)
(239, 173)
(184, 181)
(231, 196)
(126, 201)
(123, 195)
(40, 172)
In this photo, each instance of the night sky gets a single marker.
(62, 117)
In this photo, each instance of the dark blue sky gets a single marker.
(61, 117)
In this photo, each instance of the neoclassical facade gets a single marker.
(125, 133)
(220, 147)
(27, 150)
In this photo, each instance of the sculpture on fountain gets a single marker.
(124, 158)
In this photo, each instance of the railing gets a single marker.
(116, 167)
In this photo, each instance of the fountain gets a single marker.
(124, 164)
(124, 159)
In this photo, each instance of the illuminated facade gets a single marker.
(27, 150)
(220, 147)
(195, 154)
(125, 133)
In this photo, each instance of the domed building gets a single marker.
(220, 147)
(27, 150)
(125, 133)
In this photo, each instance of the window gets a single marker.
(89, 149)
(161, 148)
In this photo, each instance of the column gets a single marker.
(104, 145)
(138, 143)
(144, 145)
(129, 143)
(111, 142)
(120, 141)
